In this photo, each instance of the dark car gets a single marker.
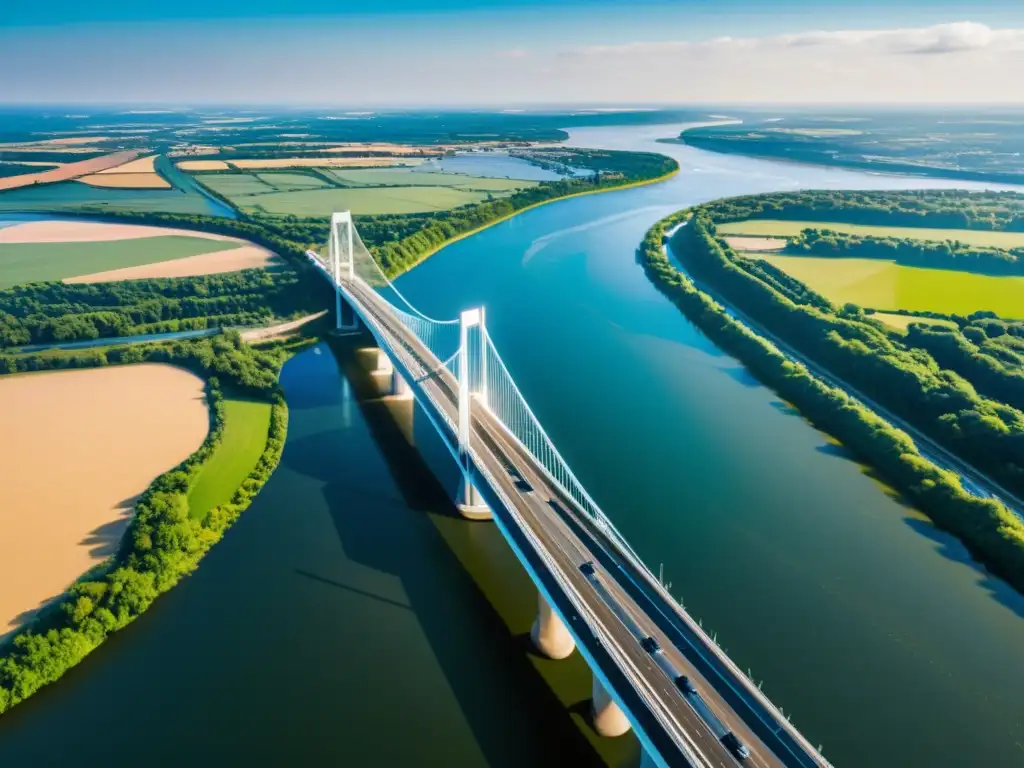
(738, 748)
(684, 684)
(587, 569)
(650, 645)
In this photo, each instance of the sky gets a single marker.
(511, 52)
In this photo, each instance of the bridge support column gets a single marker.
(609, 719)
(549, 634)
(399, 387)
(383, 362)
(470, 503)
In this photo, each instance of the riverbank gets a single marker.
(993, 534)
(163, 543)
(482, 227)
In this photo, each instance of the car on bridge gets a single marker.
(683, 684)
(735, 746)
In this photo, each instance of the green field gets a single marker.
(406, 178)
(978, 237)
(246, 424)
(284, 181)
(232, 185)
(902, 322)
(368, 200)
(35, 262)
(363, 191)
(887, 285)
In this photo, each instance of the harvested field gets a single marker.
(69, 170)
(139, 165)
(202, 165)
(756, 243)
(83, 231)
(79, 447)
(126, 180)
(244, 257)
(34, 262)
(91, 251)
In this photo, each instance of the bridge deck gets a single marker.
(549, 530)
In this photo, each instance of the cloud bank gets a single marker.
(960, 62)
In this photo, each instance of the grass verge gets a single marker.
(246, 425)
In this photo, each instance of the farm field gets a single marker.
(246, 425)
(33, 262)
(68, 170)
(212, 262)
(284, 181)
(363, 191)
(402, 177)
(135, 174)
(72, 196)
(902, 322)
(887, 285)
(64, 509)
(772, 227)
(370, 200)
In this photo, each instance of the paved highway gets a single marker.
(556, 538)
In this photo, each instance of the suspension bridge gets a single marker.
(656, 671)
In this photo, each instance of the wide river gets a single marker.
(348, 618)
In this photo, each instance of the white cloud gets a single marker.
(941, 38)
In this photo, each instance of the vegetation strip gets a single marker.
(163, 542)
(991, 532)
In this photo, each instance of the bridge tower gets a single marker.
(341, 259)
(470, 503)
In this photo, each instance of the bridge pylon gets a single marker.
(341, 259)
(470, 503)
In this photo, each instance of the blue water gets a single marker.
(334, 624)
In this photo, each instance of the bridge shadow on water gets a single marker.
(470, 597)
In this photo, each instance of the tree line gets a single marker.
(938, 208)
(991, 532)
(41, 313)
(948, 254)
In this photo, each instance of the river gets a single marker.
(348, 617)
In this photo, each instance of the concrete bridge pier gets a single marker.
(470, 503)
(399, 388)
(609, 719)
(549, 634)
(384, 364)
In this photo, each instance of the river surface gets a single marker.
(349, 618)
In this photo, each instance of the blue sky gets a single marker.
(509, 51)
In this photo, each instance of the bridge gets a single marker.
(656, 672)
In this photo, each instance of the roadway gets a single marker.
(557, 538)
